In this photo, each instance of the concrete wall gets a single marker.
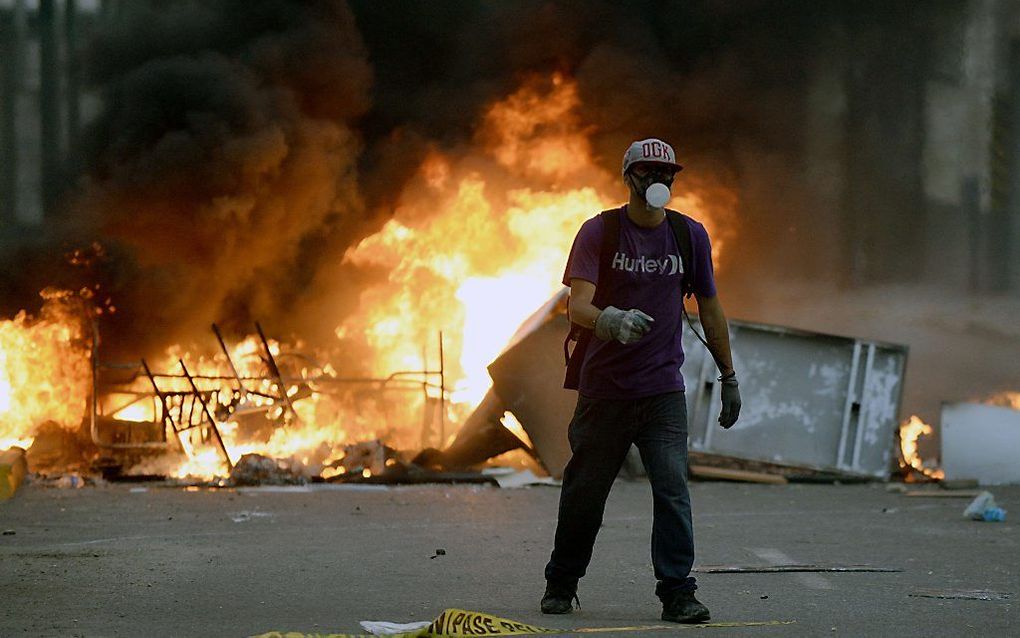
(902, 153)
(28, 129)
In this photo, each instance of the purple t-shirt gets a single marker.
(649, 262)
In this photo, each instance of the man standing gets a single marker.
(628, 271)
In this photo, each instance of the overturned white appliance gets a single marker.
(811, 400)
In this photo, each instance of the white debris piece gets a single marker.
(521, 479)
(243, 517)
(383, 628)
(981, 442)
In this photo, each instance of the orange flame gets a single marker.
(477, 243)
(911, 431)
(479, 240)
(44, 370)
(1005, 400)
(308, 440)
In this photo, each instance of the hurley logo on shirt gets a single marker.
(669, 265)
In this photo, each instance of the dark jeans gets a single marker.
(600, 435)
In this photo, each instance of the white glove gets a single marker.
(626, 326)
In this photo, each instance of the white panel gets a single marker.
(981, 442)
(811, 400)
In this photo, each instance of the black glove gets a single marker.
(730, 394)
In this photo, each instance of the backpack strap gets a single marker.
(682, 233)
(579, 334)
(610, 245)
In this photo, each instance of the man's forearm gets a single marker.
(717, 335)
(584, 313)
(718, 338)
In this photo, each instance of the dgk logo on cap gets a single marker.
(650, 150)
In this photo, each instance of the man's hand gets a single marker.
(730, 402)
(626, 326)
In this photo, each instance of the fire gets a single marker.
(308, 439)
(479, 239)
(1005, 400)
(477, 242)
(910, 431)
(537, 131)
(137, 413)
(44, 369)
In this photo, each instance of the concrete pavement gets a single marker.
(110, 561)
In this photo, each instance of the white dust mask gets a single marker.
(657, 195)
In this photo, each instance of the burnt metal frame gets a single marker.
(431, 380)
(274, 371)
(208, 414)
(230, 362)
(166, 408)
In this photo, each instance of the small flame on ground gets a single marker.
(911, 431)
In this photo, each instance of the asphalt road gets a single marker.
(110, 561)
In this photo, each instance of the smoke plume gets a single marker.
(244, 147)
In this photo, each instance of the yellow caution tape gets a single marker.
(458, 623)
(455, 623)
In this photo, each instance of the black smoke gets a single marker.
(224, 158)
(243, 146)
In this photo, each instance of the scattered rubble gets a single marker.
(984, 508)
(56, 450)
(513, 480)
(937, 493)
(770, 569)
(244, 517)
(368, 458)
(256, 469)
(722, 474)
(964, 594)
(70, 481)
(482, 437)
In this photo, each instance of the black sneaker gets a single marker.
(684, 607)
(559, 598)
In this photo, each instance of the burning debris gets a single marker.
(466, 234)
(910, 432)
(366, 459)
(260, 402)
(255, 469)
(472, 221)
(976, 439)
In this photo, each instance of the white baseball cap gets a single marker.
(650, 150)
